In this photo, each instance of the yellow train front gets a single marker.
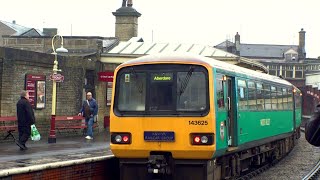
(161, 118)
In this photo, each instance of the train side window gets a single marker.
(242, 95)
(279, 96)
(274, 100)
(260, 98)
(220, 92)
(267, 96)
(285, 98)
(298, 101)
(290, 99)
(252, 95)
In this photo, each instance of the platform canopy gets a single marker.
(127, 50)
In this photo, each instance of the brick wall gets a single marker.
(126, 27)
(104, 170)
(15, 64)
(74, 44)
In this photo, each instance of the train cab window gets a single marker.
(279, 97)
(290, 99)
(242, 95)
(285, 98)
(260, 98)
(191, 94)
(132, 92)
(252, 95)
(267, 96)
(161, 92)
(220, 92)
(274, 100)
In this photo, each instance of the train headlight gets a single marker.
(201, 138)
(204, 139)
(121, 138)
(118, 138)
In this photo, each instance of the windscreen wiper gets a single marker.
(139, 83)
(185, 81)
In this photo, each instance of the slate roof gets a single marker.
(21, 30)
(260, 50)
(265, 50)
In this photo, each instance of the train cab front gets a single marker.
(161, 121)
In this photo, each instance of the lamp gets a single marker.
(52, 134)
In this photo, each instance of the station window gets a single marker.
(273, 72)
(220, 92)
(274, 100)
(289, 74)
(267, 96)
(299, 74)
(242, 95)
(252, 96)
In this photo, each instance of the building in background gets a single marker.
(287, 61)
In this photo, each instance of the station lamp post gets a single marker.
(53, 77)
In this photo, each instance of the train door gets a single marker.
(231, 122)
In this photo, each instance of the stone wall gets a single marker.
(15, 64)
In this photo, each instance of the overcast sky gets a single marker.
(206, 22)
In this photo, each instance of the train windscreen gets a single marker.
(162, 90)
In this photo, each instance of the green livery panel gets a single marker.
(250, 109)
(258, 125)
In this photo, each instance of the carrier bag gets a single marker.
(35, 135)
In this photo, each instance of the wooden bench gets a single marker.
(72, 122)
(9, 124)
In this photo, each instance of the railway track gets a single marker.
(314, 173)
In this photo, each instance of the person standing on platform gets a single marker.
(26, 118)
(89, 110)
(312, 128)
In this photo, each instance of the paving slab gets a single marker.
(41, 154)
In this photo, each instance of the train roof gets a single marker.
(196, 59)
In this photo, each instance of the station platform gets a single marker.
(40, 155)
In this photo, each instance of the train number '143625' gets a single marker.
(199, 123)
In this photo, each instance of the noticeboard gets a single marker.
(36, 87)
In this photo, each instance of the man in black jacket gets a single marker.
(26, 118)
(312, 128)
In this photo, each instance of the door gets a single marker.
(231, 123)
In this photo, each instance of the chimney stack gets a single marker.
(302, 44)
(126, 21)
(237, 43)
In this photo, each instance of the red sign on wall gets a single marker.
(35, 85)
(105, 76)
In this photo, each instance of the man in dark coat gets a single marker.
(89, 110)
(26, 118)
(312, 128)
